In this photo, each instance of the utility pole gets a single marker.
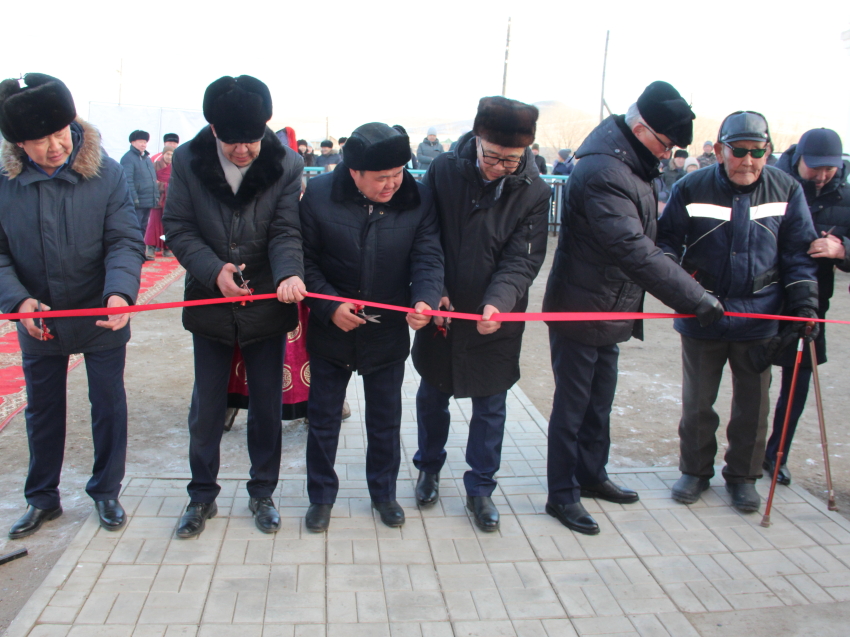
(327, 127)
(602, 104)
(120, 80)
(507, 50)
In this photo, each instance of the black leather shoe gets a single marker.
(391, 512)
(744, 496)
(195, 519)
(784, 476)
(111, 514)
(318, 517)
(688, 489)
(427, 488)
(484, 512)
(611, 492)
(266, 516)
(31, 521)
(573, 516)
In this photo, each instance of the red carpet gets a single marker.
(156, 276)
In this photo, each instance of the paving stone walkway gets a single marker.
(654, 565)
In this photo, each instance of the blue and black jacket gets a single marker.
(746, 245)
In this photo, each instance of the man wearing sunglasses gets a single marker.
(743, 230)
(606, 258)
(493, 210)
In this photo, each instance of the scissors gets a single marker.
(45, 331)
(361, 312)
(243, 283)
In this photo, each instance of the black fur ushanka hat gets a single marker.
(38, 109)
(376, 146)
(504, 122)
(140, 134)
(238, 108)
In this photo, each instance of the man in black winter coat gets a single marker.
(606, 258)
(493, 210)
(816, 163)
(141, 180)
(743, 230)
(370, 233)
(231, 219)
(69, 239)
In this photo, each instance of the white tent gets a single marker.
(116, 121)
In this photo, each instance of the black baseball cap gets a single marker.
(820, 147)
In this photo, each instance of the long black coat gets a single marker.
(354, 248)
(494, 240)
(606, 254)
(206, 226)
(141, 178)
(70, 241)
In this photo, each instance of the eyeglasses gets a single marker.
(667, 148)
(740, 153)
(493, 160)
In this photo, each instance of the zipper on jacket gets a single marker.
(370, 210)
(528, 236)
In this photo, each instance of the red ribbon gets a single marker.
(504, 316)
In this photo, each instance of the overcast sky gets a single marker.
(403, 61)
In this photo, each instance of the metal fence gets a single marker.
(556, 182)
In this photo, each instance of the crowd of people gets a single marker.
(735, 236)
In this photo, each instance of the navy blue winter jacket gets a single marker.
(746, 245)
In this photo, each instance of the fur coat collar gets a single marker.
(86, 158)
(265, 171)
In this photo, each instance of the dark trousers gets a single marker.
(483, 446)
(702, 368)
(264, 371)
(143, 214)
(382, 391)
(46, 378)
(580, 424)
(801, 392)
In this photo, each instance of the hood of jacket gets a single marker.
(344, 189)
(612, 137)
(86, 158)
(263, 172)
(466, 157)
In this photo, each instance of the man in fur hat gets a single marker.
(493, 210)
(606, 258)
(370, 233)
(231, 219)
(170, 141)
(69, 239)
(141, 178)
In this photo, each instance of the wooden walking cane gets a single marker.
(765, 521)
(830, 505)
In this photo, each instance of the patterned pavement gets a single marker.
(655, 564)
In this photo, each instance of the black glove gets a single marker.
(709, 310)
(807, 312)
(763, 356)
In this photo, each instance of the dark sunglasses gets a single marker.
(740, 153)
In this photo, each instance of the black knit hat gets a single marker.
(41, 108)
(171, 137)
(505, 122)
(667, 113)
(140, 134)
(238, 108)
(681, 153)
(376, 146)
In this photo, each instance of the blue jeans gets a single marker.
(580, 424)
(483, 447)
(382, 391)
(46, 378)
(264, 371)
